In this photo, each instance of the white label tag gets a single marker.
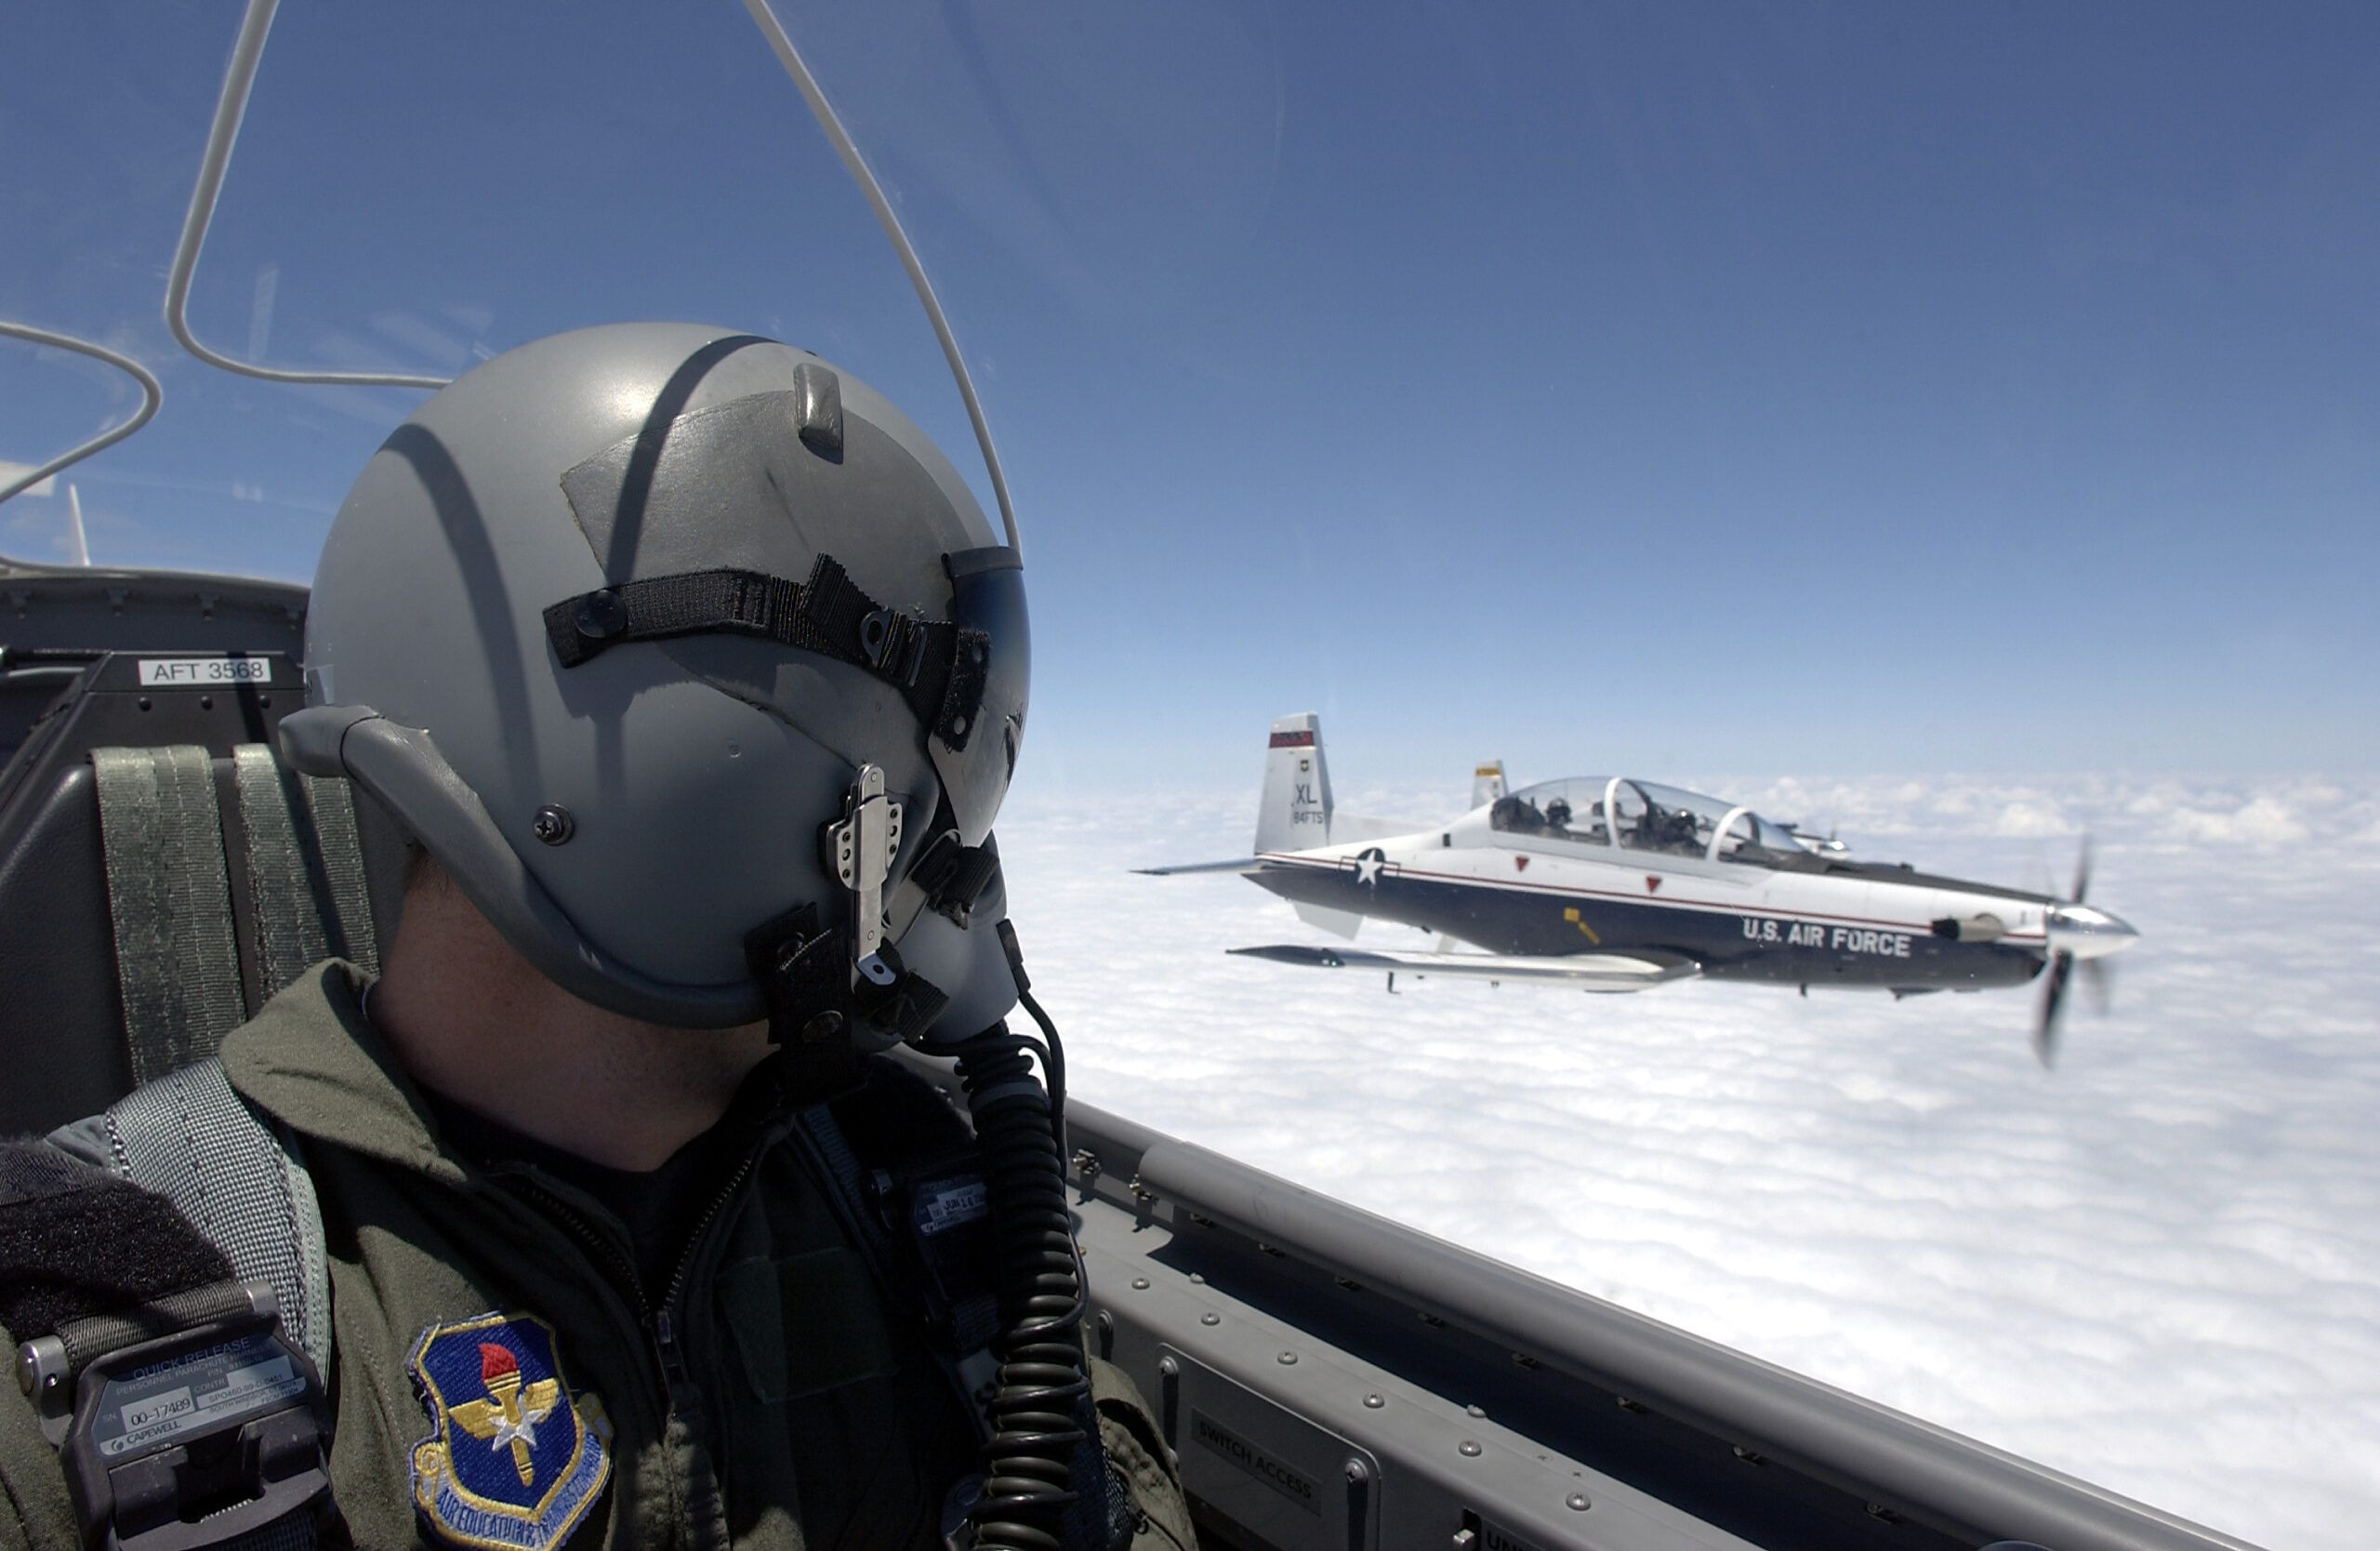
(952, 1205)
(169, 672)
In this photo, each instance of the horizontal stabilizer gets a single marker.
(1584, 972)
(1242, 864)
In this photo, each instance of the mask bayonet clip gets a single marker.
(862, 848)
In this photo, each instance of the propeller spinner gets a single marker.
(2079, 934)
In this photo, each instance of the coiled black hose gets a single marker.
(1039, 1395)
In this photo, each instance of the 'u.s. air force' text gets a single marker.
(1839, 940)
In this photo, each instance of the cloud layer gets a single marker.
(2157, 1268)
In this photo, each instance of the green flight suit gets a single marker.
(769, 1400)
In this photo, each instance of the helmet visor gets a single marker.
(973, 746)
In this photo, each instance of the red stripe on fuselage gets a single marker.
(1669, 902)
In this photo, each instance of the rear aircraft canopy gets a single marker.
(1649, 816)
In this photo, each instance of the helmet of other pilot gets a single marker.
(614, 623)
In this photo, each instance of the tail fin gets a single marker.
(1296, 810)
(1487, 783)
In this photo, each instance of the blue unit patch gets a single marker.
(514, 1460)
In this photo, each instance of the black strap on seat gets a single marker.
(829, 615)
(170, 903)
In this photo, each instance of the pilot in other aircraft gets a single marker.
(696, 676)
(1674, 829)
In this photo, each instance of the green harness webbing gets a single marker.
(170, 904)
(183, 1132)
(339, 844)
(161, 830)
(241, 1181)
(305, 879)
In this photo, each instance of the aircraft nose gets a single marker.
(2088, 931)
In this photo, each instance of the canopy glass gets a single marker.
(1651, 817)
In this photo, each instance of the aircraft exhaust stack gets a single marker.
(1983, 927)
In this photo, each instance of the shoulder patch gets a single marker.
(514, 1459)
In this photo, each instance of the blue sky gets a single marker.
(1677, 388)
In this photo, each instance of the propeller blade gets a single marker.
(2081, 873)
(2099, 980)
(2061, 967)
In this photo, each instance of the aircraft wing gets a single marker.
(1584, 972)
(1243, 864)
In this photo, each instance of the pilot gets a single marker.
(694, 676)
(1666, 829)
(1683, 831)
(1557, 815)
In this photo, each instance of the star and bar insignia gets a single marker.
(513, 1461)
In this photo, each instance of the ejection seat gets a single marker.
(162, 873)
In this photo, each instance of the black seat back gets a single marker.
(215, 897)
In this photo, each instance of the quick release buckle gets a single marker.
(186, 1440)
(860, 848)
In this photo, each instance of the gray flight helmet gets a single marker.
(612, 625)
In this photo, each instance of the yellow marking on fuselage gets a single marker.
(1570, 914)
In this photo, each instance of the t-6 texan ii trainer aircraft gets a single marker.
(1609, 883)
